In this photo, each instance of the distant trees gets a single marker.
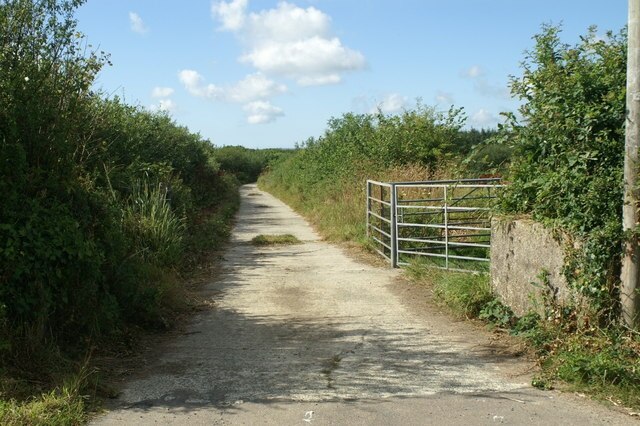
(247, 164)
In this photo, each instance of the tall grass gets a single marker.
(157, 230)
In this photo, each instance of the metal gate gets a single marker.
(446, 223)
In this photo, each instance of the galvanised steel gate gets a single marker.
(446, 223)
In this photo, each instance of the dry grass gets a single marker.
(341, 214)
(338, 211)
(270, 240)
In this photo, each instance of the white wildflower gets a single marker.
(26, 79)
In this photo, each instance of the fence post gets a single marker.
(368, 206)
(446, 230)
(394, 227)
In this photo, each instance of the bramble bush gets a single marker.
(567, 172)
(50, 268)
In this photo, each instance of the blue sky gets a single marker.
(269, 74)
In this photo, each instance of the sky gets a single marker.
(267, 74)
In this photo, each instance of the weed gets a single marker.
(465, 294)
(158, 232)
(495, 312)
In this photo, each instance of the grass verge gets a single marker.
(465, 294)
(270, 240)
(56, 392)
(64, 405)
(604, 363)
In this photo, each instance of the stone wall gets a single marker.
(521, 249)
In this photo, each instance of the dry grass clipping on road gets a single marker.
(270, 240)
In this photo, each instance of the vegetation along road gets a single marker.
(303, 333)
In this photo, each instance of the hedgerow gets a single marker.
(325, 178)
(101, 200)
(568, 148)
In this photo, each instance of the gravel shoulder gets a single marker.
(305, 333)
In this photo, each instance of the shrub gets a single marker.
(98, 196)
(568, 152)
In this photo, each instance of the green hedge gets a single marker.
(100, 199)
(568, 152)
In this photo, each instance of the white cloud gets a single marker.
(483, 86)
(167, 105)
(444, 98)
(161, 92)
(287, 23)
(474, 72)
(289, 41)
(260, 112)
(319, 80)
(253, 87)
(391, 104)
(312, 61)
(483, 118)
(231, 15)
(137, 24)
(253, 91)
(194, 83)
(164, 105)
(190, 78)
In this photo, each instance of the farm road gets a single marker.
(303, 334)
